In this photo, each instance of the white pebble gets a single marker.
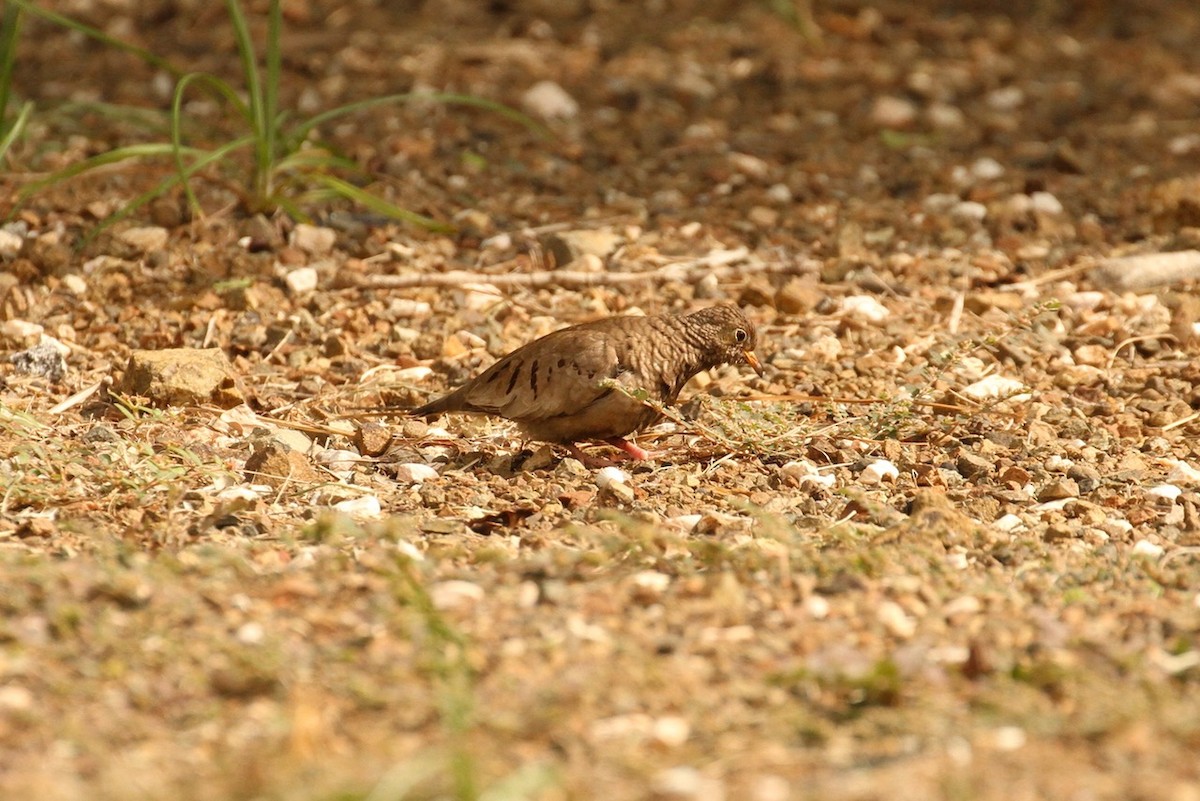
(239, 496)
(804, 473)
(498, 242)
(1084, 301)
(1168, 492)
(414, 473)
(145, 238)
(686, 782)
(963, 605)
(945, 117)
(651, 582)
(687, 522)
(779, 193)
(548, 100)
(313, 239)
(1008, 738)
(895, 620)
(879, 471)
(748, 165)
(939, 202)
(893, 112)
(404, 307)
(301, 281)
(1147, 548)
(997, 387)
(418, 373)
(337, 460)
(1058, 463)
(969, 210)
(864, 307)
(20, 330)
(1183, 473)
(16, 698)
(1007, 99)
(365, 508)
(1008, 523)
(1046, 203)
(671, 731)
(74, 284)
(825, 349)
(250, 633)
(817, 607)
(606, 477)
(987, 169)
(455, 594)
(481, 297)
(950, 654)
(10, 244)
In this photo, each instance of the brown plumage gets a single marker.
(559, 388)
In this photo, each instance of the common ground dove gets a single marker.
(567, 386)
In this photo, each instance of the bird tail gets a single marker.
(451, 402)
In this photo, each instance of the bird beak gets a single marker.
(753, 361)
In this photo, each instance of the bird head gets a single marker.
(731, 335)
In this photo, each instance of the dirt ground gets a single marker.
(947, 547)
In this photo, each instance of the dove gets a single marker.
(585, 383)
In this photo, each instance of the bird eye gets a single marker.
(740, 335)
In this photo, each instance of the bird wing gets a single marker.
(560, 374)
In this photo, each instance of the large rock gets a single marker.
(182, 377)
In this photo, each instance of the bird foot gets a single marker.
(634, 452)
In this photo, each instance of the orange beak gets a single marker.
(753, 361)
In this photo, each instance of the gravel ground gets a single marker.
(948, 546)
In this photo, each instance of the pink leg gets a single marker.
(634, 451)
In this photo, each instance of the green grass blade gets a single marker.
(98, 35)
(219, 87)
(115, 156)
(271, 88)
(336, 187)
(316, 160)
(301, 131)
(14, 131)
(168, 183)
(10, 30)
(260, 122)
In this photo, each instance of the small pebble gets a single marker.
(996, 387)
(414, 473)
(893, 112)
(145, 238)
(896, 620)
(1168, 492)
(607, 476)
(314, 240)
(1007, 523)
(865, 307)
(987, 169)
(1147, 548)
(301, 281)
(1009, 738)
(548, 100)
(10, 244)
(366, 507)
(969, 210)
(455, 594)
(879, 471)
(1046, 203)
(1183, 473)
